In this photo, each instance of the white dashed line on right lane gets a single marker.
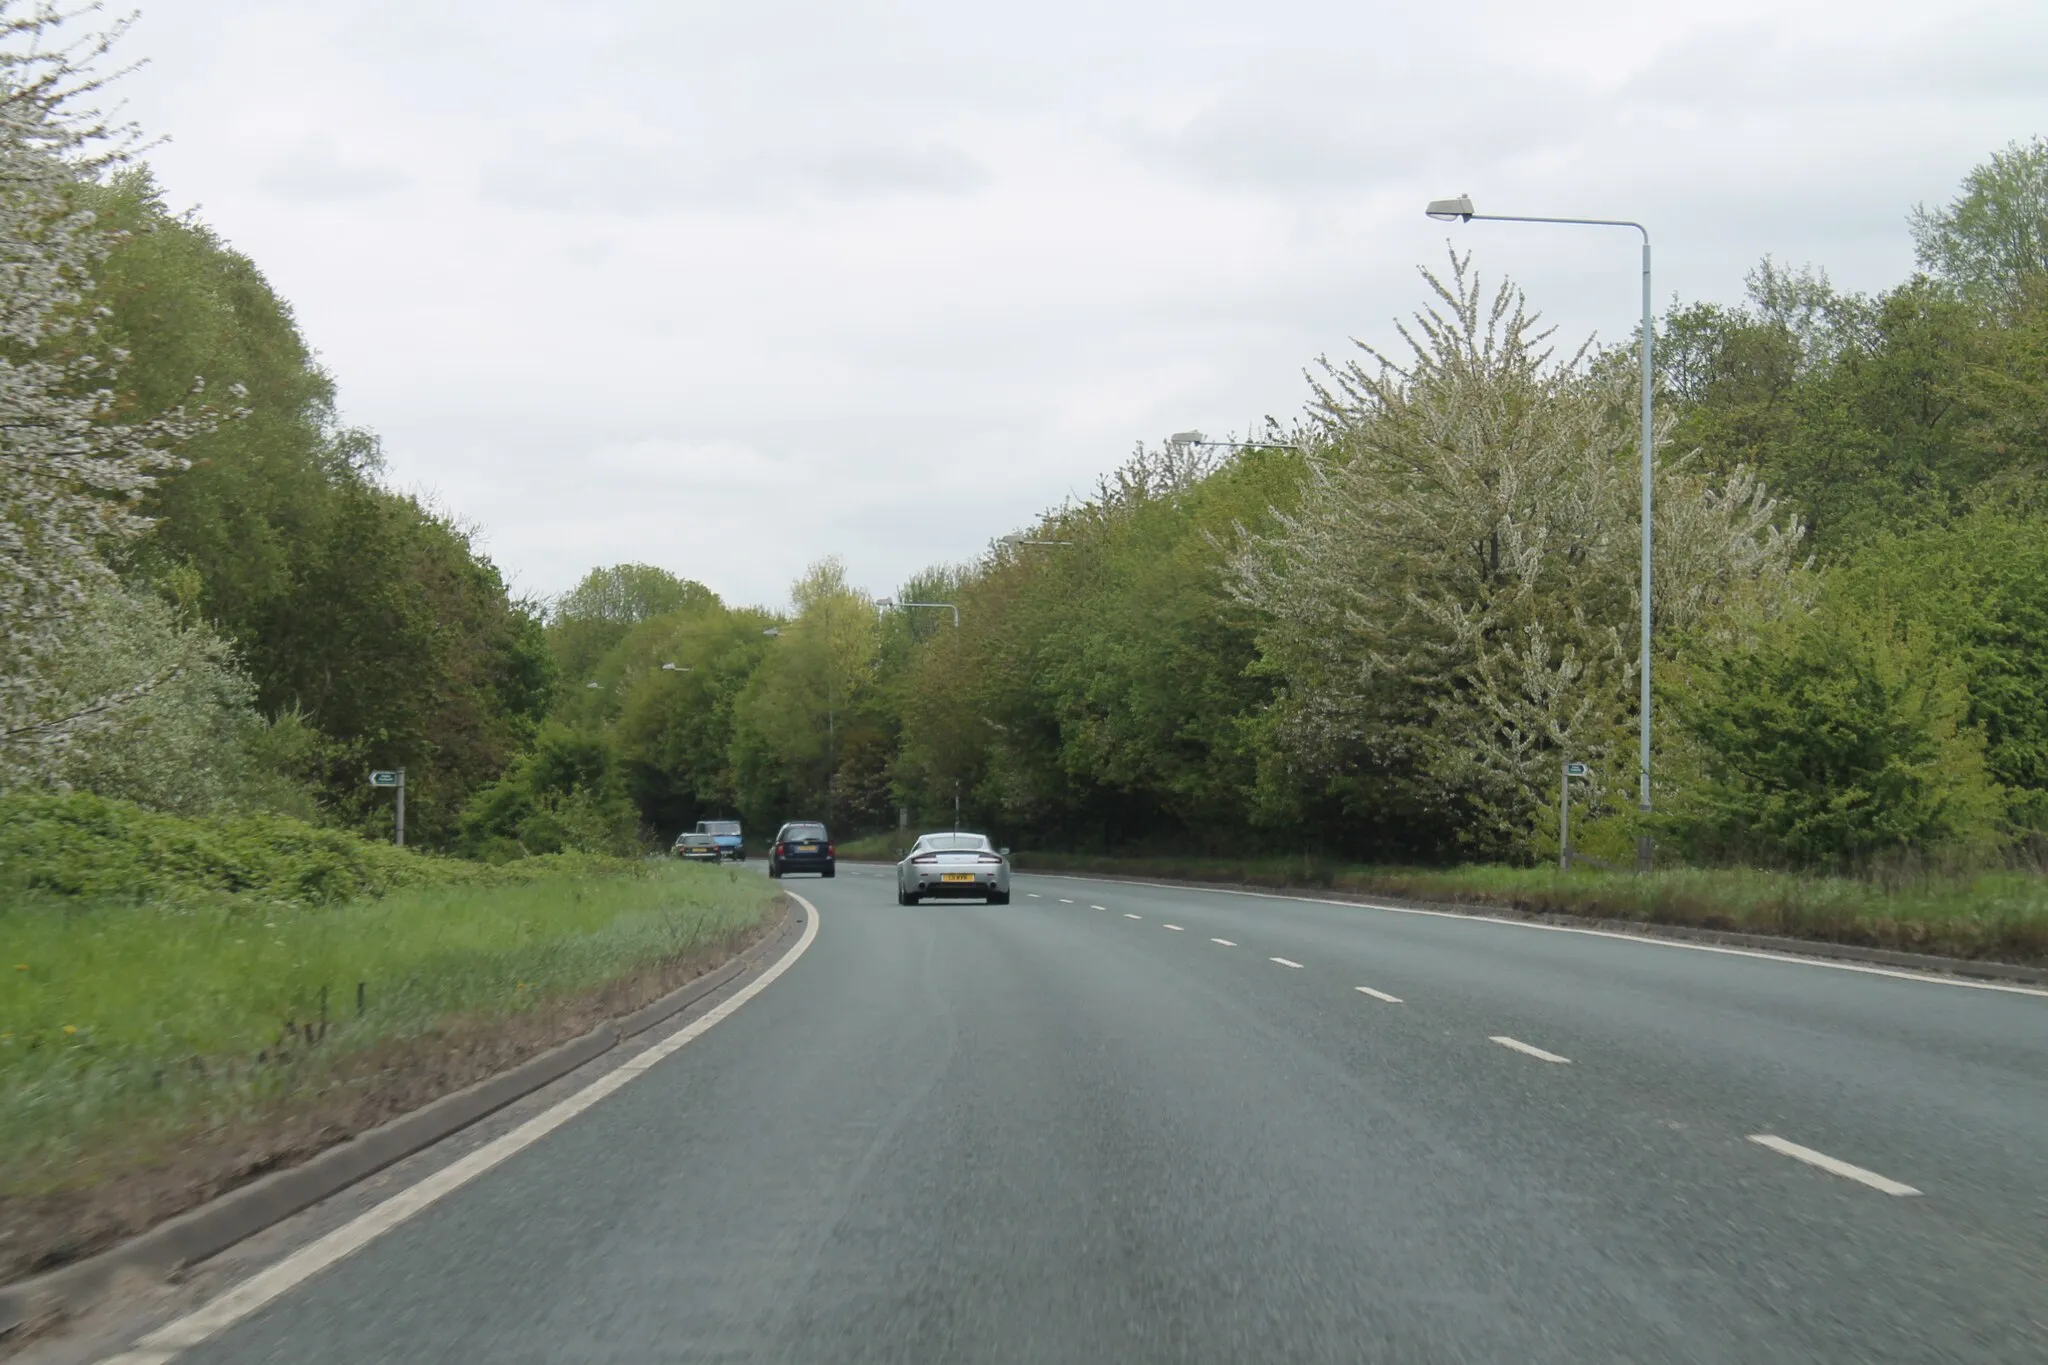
(1378, 995)
(1830, 1164)
(1224, 941)
(1538, 1053)
(1129, 915)
(1285, 962)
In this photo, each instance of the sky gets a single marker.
(728, 288)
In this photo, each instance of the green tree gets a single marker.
(1991, 240)
(1828, 739)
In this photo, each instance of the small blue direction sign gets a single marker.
(1575, 770)
(384, 778)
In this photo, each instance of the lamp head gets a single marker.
(1457, 210)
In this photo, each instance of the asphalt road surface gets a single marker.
(1112, 1123)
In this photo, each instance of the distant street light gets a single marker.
(674, 668)
(1019, 538)
(1460, 210)
(591, 685)
(936, 606)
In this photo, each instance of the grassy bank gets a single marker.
(157, 1048)
(1994, 916)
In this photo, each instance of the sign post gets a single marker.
(395, 779)
(1564, 815)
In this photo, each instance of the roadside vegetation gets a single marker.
(190, 1002)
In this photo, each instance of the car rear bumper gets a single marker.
(980, 886)
(803, 862)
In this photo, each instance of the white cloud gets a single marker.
(730, 287)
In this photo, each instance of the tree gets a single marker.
(72, 467)
(1454, 602)
(591, 618)
(1992, 238)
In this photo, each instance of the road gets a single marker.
(1117, 1123)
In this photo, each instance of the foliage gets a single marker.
(74, 461)
(1831, 737)
(563, 794)
(80, 844)
(1991, 240)
(1454, 603)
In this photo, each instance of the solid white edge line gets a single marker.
(1518, 1045)
(1926, 978)
(1224, 941)
(1175, 927)
(1378, 995)
(1286, 963)
(266, 1285)
(1830, 1164)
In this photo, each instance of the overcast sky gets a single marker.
(730, 287)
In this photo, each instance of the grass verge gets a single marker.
(1997, 916)
(154, 1052)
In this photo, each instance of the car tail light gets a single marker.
(987, 858)
(831, 851)
(925, 858)
(782, 849)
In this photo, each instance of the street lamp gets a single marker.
(1019, 538)
(1460, 210)
(674, 668)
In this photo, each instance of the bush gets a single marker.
(1829, 739)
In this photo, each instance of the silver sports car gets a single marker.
(953, 864)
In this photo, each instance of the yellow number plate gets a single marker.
(956, 876)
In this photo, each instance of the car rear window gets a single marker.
(943, 843)
(721, 827)
(803, 832)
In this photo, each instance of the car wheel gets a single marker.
(998, 898)
(830, 869)
(773, 870)
(910, 897)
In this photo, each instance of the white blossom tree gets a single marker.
(72, 468)
(1459, 585)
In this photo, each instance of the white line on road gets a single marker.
(267, 1285)
(1175, 927)
(1034, 895)
(1098, 907)
(1224, 941)
(1925, 978)
(1129, 915)
(1828, 1163)
(1065, 901)
(1285, 963)
(1536, 1052)
(1378, 995)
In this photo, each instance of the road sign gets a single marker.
(1575, 770)
(384, 778)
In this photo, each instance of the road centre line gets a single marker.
(1129, 915)
(1224, 941)
(1519, 1046)
(1378, 995)
(1925, 978)
(1098, 907)
(1830, 1164)
(267, 1285)
(1065, 901)
(1285, 963)
(1175, 927)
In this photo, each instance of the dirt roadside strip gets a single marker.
(1725, 938)
(212, 1227)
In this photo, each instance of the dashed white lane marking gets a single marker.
(1224, 941)
(1829, 1164)
(1536, 1052)
(1098, 907)
(267, 1285)
(1378, 995)
(1065, 901)
(1129, 915)
(1175, 927)
(1285, 963)
(1034, 895)
(1639, 940)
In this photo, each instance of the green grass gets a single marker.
(121, 1015)
(1995, 916)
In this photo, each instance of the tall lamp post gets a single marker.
(1460, 210)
